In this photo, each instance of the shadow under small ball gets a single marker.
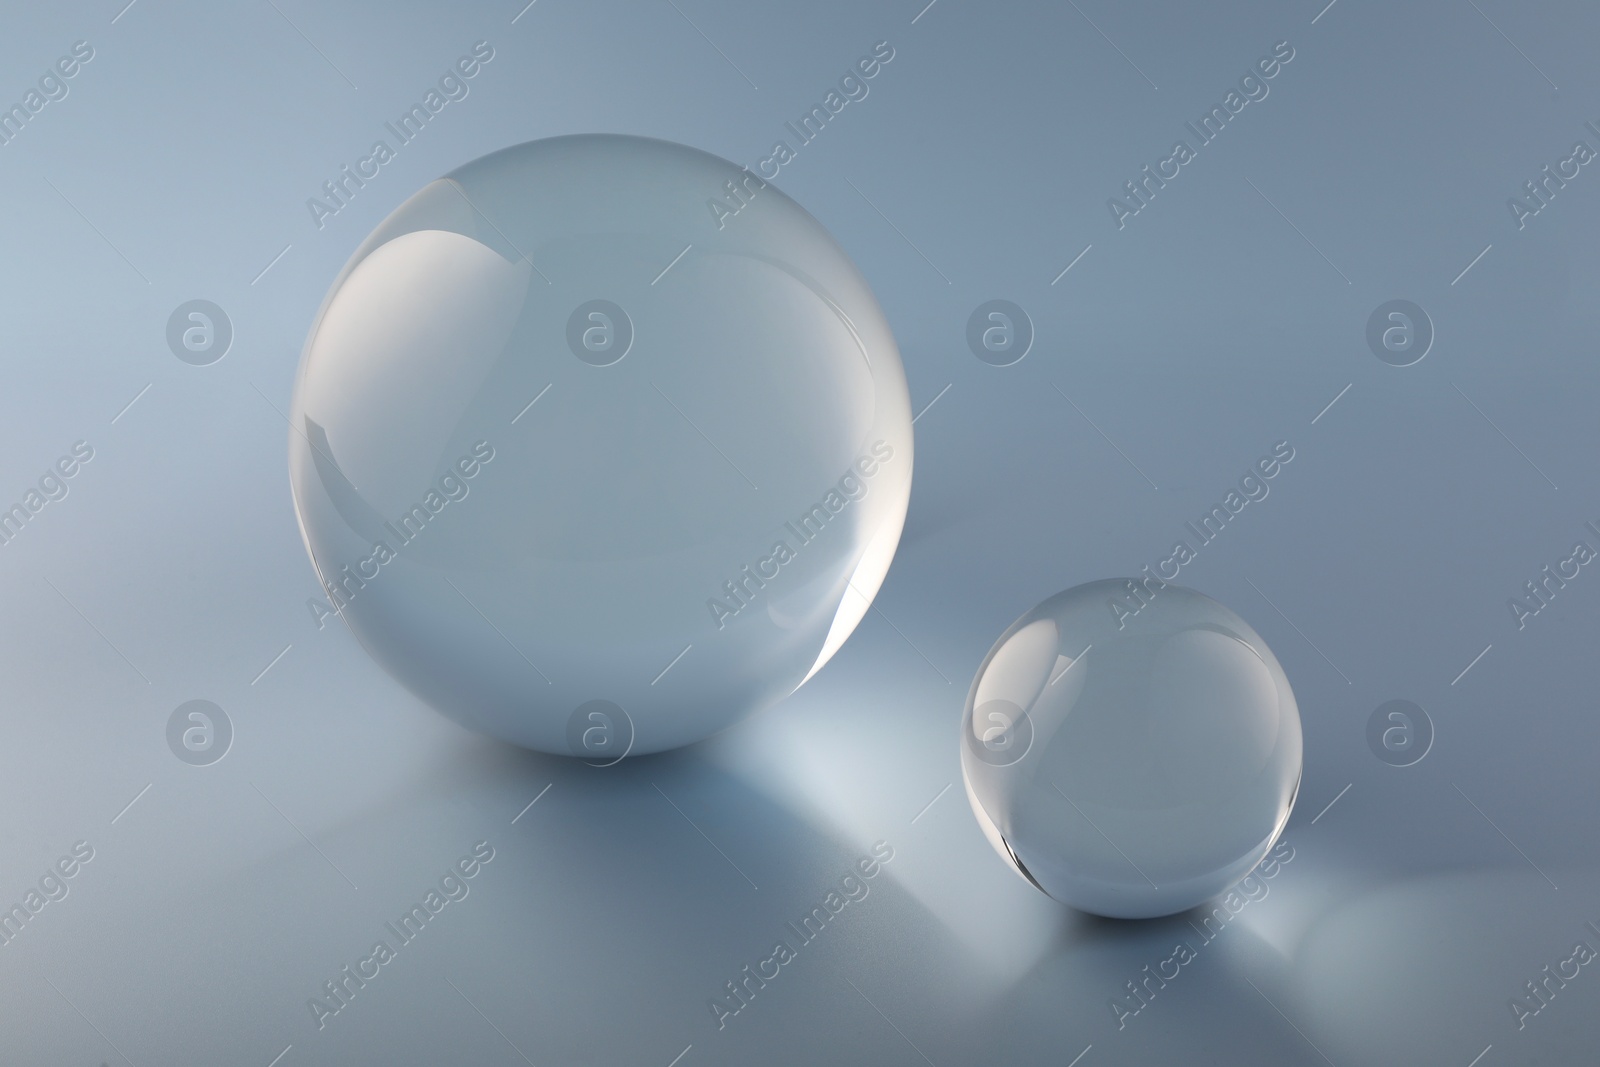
(1132, 749)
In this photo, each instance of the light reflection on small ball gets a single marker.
(1131, 750)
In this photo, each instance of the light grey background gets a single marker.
(1223, 318)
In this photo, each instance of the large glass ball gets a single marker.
(1132, 748)
(599, 444)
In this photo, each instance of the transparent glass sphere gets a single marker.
(600, 443)
(1131, 748)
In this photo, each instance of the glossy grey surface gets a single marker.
(1419, 900)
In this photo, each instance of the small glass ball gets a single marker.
(600, 443)
(1132, 748)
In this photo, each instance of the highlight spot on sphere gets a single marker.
(1131, 763)
(563, 438)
